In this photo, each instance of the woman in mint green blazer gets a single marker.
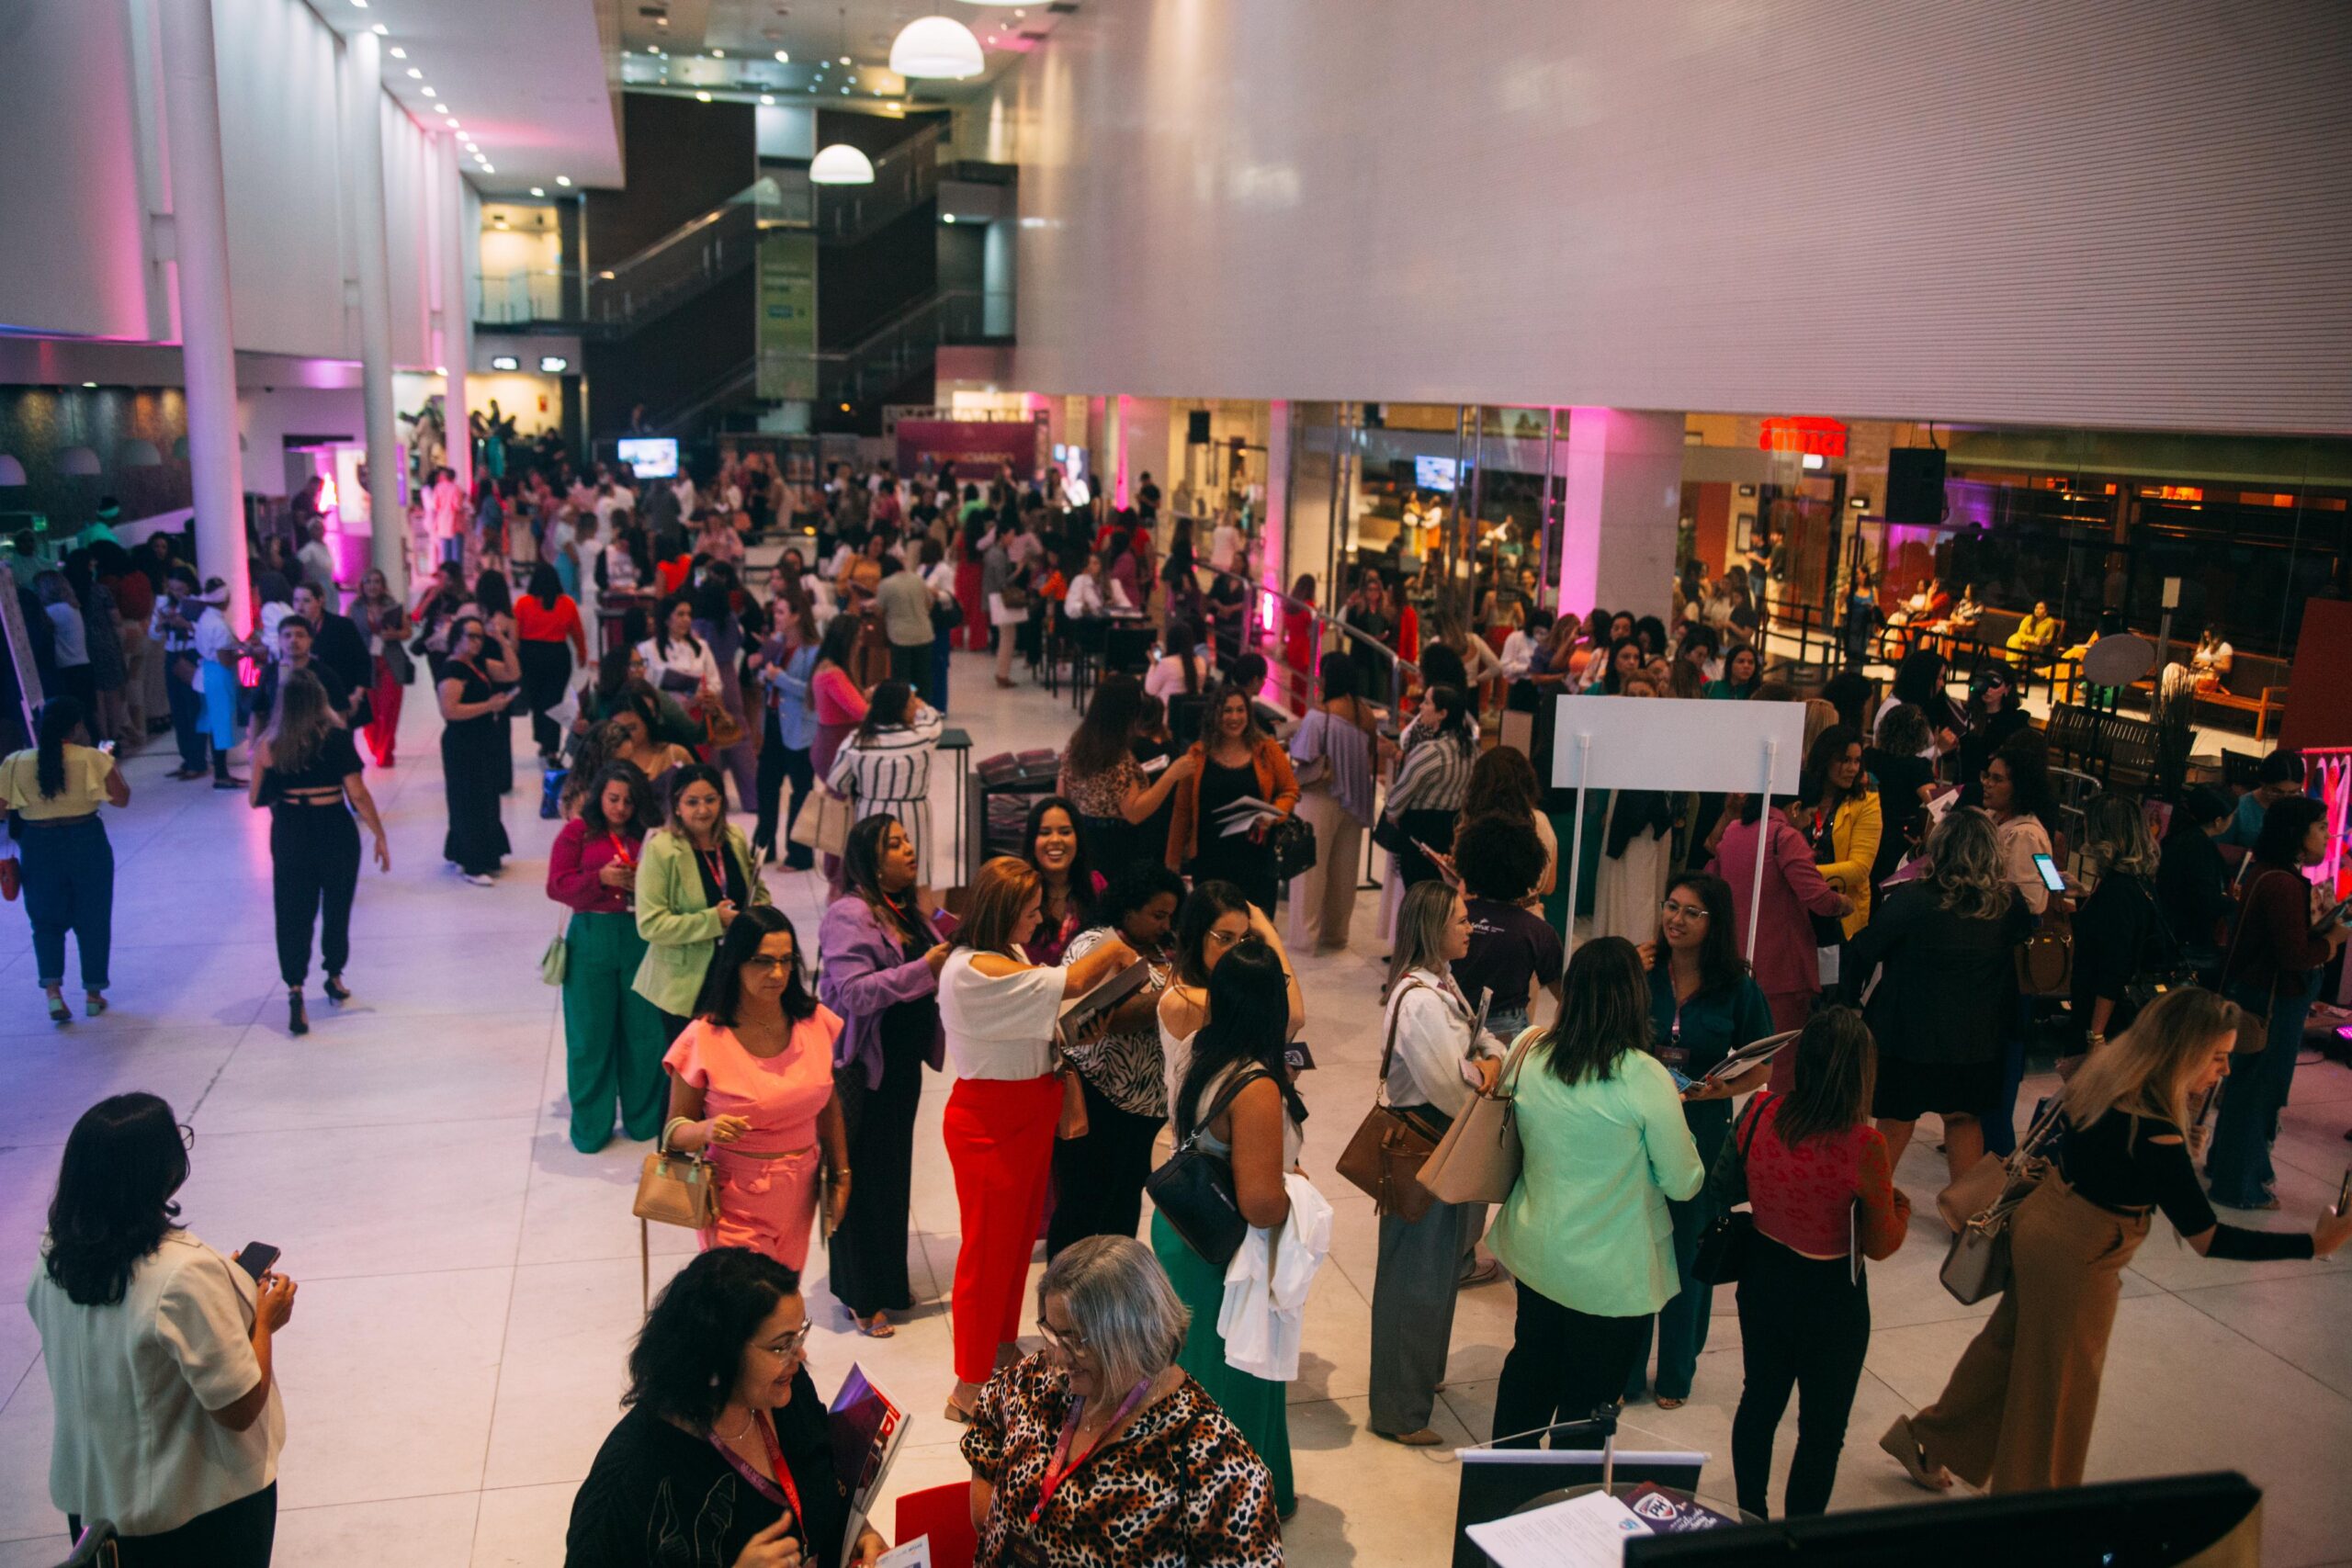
(1585, 1232)
(696, 873)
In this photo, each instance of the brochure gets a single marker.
(866, 1427)
(1082, 1009)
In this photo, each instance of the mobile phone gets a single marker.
(107, 747)
(255, 1257)
(2051, 877)
(1682, 1081)
(2339, 915)
(2344, 1194)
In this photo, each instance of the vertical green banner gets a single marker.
(787, 324)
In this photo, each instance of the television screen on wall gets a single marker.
(1434, 473)
(653, 457)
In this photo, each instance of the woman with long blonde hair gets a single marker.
(2017, 1414)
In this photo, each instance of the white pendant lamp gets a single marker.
(936, 47)
(136, 453)
(12, 472)
(79, 462)
(840, 164)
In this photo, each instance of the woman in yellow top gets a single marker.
(2036, 635)
(55, 789)
(693, 878)
(1843, 817)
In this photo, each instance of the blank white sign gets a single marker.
(1678, 743)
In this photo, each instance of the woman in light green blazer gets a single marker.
(696, 873)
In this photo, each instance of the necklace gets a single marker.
(751, 1418)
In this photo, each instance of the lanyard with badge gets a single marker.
(781, 1491)
(1022, 1550)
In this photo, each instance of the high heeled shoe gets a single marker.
(58, 1011)
(296, 1021)
(337, 992)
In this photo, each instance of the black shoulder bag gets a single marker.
(1729, 1237)
(1194, 1188)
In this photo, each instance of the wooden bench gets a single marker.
(2255, 685)
(2108, 746)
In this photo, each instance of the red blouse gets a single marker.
(1804, 1196)
(574, 864)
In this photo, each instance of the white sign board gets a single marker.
(1677, 743)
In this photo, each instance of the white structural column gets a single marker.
(362, 157)
(1622, 498)
(1274, 528)
(453, 245)
(208, 347)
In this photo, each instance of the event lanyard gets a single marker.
(780, 1490)
(1062, 1467)
(715, 860)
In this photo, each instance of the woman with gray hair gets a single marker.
(1940, 1011)
(1099, 1448)
(2119, 935)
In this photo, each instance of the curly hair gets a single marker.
(689, 1355)
(1964, 866)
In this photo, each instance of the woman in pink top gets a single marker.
(752, 1084)
(833, 695)
(1786, 962)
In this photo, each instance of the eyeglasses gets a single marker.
(187, 1137)
(1068, 1344)
(1223, 939)
(778, 966)
(1687, 911)
(790, 1345)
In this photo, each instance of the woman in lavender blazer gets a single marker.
(882, 957)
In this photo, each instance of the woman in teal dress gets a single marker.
(1257, 1129)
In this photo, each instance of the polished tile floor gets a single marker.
(468, 1280)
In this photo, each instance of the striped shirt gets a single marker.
(1434, 776)
(890, 771)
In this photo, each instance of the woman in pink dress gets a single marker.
(752, 1086)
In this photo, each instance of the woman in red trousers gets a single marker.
(386, 621)
(979, 526)
(1013, 1094)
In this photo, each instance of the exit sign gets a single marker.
(1814, 437)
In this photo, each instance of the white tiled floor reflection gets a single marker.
(470, 1283)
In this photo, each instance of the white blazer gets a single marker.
(1266, 1286)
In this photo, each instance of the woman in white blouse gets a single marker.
(677, 661)
(1180, 670)
(1434, 1061)
(1092, 592)
(158, 1352)
(1013, 1094)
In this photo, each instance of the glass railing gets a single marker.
(903, 177)
(697, 253)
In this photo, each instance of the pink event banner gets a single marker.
(971, 449)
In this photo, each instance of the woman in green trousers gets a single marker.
(613, 1038)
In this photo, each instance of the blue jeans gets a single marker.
(69, 886)
(2239, 1162)
(2000, 1119)
(939, 671)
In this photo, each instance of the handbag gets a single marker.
(1390, 1145)
(556, 958)
(1977, 1265)
(1477, 1160)
(1389, 834)
(675, 1189)
(1194, 1188)
(2254, 1024)
(1729, 1237)
(824, 820)
(2149, 983)
(1293, 844)
(946, 615)
(397, 660)
(2046, 964)
(721, 728)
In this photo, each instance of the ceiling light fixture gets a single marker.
(440, 109)
(768, 99)
(505, 362)
(539, 191)
(718, 54)
(840, 164)
(564, 180)
(936, 49)
(702, 97)
(415, 74)
(488, 170)
(359, 5)
(399, 53)
(430, 93)
(784, 57)
(454, 124)
(380, 30)
(553, 364)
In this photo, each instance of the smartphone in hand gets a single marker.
(255, 1258)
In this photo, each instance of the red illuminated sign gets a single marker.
(1819, 437)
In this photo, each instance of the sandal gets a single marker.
(875, 1328)
(1666, 1402)
(58, 1011)
(1912, 1455)
(956, 1413)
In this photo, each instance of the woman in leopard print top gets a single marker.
(1099, 1451)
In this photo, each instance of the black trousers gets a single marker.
(1564, 1365)
(234, 1535)
(187, 718)
(778, 763)
(545, 667)
(912, 665)
(314, 871)
(869, 1251)
(1098, 1180)
(1804, 1323)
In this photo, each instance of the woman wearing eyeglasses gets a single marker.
(1100, 1449)
(752, 1086)
(723, 1456)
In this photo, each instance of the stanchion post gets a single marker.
(1575, 831)
(1763, 837)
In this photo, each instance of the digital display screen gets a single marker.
(652, 457)
(1434, 473)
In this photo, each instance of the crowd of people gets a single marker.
(1900, 881)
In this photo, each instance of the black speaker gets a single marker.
(1196, 428)
(1915, 484)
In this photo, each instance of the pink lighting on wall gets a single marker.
(1119, 452)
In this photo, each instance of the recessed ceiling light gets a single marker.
(488, 170)
(768, 99)
(563, 179)
(380, 30)
(430, 93)
(361, 4)
(702, 97)
(947, 217)
(89, 386)
(440, 109)
(844, 60)
(399, 53)
(783, 57)
(453, 124)
(415, 74)
(660, 21)
(539, 191)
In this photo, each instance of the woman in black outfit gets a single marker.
(305, 768)
(546, 665)
(1905, 781)
(724, 1456)
(474, 753)
(494, 602)
(2192, 883)
(2119, 933)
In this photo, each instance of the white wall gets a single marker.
(2112, 213)
(76, 258)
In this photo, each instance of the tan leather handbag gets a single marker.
(675, 1189)
(1390, 1146)
(1477, 1160)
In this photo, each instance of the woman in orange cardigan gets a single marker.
(1237, 761)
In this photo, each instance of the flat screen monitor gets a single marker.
(652, 457)
(1434, 473)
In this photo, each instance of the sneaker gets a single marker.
(480, 879)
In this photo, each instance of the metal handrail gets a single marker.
(904, 176)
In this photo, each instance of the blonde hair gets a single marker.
(2144, 1071)
(2119, 839)
(1964, 866)
(1818, 716)
(1420, 931)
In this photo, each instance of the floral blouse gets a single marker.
(1178, 1488)
(1125, 1068)
(1103, 794)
